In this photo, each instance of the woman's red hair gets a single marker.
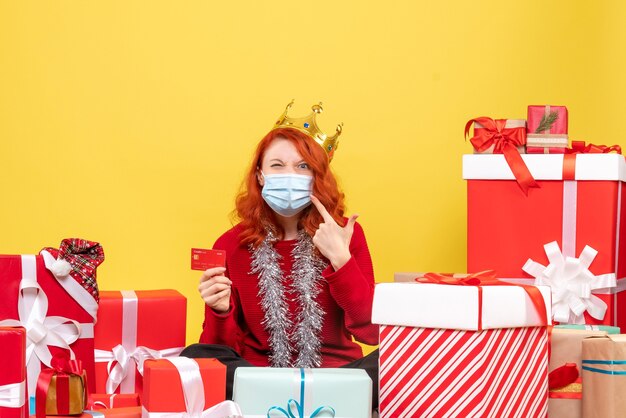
(256, 216)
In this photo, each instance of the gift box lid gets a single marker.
(605, 353)
(602, 328)
(545, 166)
(151, 309)
(426, 305)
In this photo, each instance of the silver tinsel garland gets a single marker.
(306, 273)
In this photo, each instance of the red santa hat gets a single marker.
(79, 258)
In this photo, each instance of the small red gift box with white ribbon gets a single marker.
(181, 387)
(134, 326)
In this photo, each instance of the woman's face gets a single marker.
(282, 157)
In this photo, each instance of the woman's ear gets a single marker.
(259, 177)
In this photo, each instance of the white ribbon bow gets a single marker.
(193, 392)
(122, 364)
(41, 331)
(571, 284)
(13, 395)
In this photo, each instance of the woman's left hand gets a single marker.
(331, 239)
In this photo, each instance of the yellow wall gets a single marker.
(131, 122)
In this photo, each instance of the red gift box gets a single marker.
(579, 206)
(165, 392)
(134, 326)
(13, 373)
(56, 311)
(462, 350)
(116, 400)
(554, 118)
(61, 390)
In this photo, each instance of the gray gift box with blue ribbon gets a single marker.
(303, 393)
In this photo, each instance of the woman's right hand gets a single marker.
(214, 289)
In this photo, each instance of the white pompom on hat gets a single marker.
(61, 268)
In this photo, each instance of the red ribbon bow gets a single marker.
(562, 376)
(487, 278)
(62, 367)
(579, 147)
(505, 141)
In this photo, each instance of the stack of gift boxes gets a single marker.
(67, 350)
(531, 330)
(55, 362)
(541, 215)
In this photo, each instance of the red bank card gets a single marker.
(205, 259)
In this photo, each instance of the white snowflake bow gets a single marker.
(571, 284)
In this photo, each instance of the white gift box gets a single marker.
(427, 305)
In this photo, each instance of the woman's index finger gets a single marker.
(321, 209)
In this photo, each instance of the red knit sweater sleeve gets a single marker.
(221, 328)
(352, 287)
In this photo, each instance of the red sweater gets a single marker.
(346, 298)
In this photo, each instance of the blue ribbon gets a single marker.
(299, 406)
(606, 363)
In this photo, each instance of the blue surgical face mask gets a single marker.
(287, 194)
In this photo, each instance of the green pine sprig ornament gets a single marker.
(547, 121)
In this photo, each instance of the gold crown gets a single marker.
(308, 126)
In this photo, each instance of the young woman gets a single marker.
(298, 283)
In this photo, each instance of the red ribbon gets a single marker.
(487, 278)
(505, 141)
(62, 368)
(562, 376)
(579, 147)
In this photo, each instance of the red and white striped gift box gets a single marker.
(436, 362)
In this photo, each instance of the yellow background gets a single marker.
(131, 122)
